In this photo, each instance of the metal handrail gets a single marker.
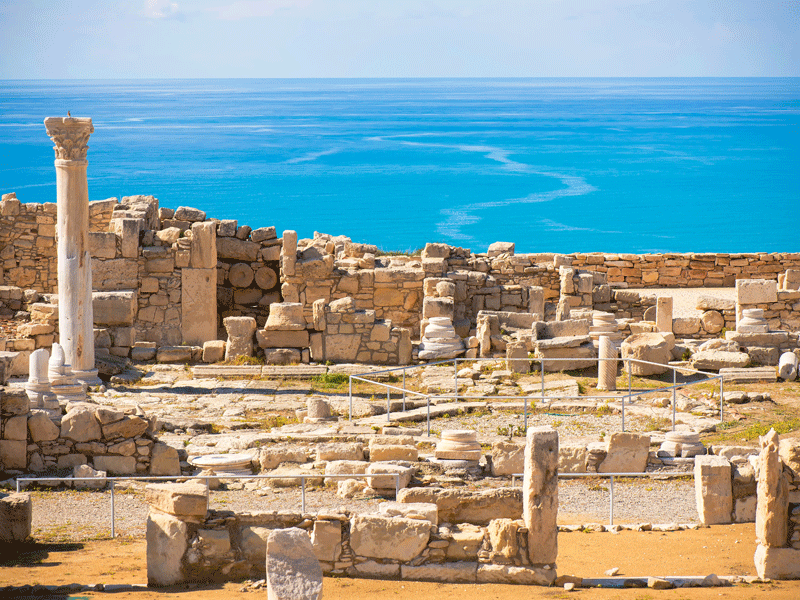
(302, 479)
(629, 396)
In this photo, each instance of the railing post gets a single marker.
(541, 365)
(428, 399)
(674, 395)
(404, 389)
(611, 502)
(388, 405)
(455, 379)
(525, 415)
(721, 398)
(303, 494)
(350, 416)
(396, 485)
(113, 525)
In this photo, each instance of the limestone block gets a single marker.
(340, 451)
(498, 248)
(214, 545)
(369, 569)
(282, 339)
(393, 538)
(756, 291)
(102, 244)
(387, 479)
(503, 537)
(240, 336)
(179, 499)
(714, 360)
(293, 571)
(342, 347)
(164, 460)
(410, 510)
(626, 453)
(13, 454)
(450, 572)
(16, 428)
(435, 307)
(777, 563)
(510, 574)
(70, 461)
(262, 234)
(685, 325)
(271, 457)
(744, 510)
(516, 355)
(465, 542)
(86, 477)
(129, 427)
(198, 305)
(41, 427)
(713, 491)
(508, 458)
(254, 543)
(281, 356)
(648, 347)
(116, 465)
(716, 304)
(285, 316)
(213, 351)
(16, 515)
(773, 493)
(540, 494)
(187, 213)
(167, 541)
(116, 274)
(204, 246)
(572, 458)
(664, 321)
(384, 452)
(787, 366)
(236, 249)
(326, 538)
(227, 228)
(13, 402)
(143, 351)
(466, 506)
(80, 425)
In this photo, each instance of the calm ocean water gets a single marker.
(563, 165)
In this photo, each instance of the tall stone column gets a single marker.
(76, 319)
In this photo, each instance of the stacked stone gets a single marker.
(752, 321)
(440, 340)
(568, 339)
(604, 324)
(63, 382)
(350, 335)
(38, 388)
(27, 239)
(683, 444)
(318, 411)
(790, 280)
(458, 444)
(284, 337)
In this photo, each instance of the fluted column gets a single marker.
(76, 319)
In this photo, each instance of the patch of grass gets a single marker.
(407, 252)
(241, 361)
(655, 423)
(755, 430)
(604, 410)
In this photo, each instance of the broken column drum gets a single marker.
(76, 320)
(607, 366)
(38, 387)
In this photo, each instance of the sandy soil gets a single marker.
(724, 550)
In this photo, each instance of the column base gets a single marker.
(88, 377)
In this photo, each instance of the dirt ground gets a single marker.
(722, 549)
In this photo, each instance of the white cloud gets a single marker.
(247, 9)
(161, 9)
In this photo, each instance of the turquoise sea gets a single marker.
(555, 165)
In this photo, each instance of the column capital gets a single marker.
(71, 136)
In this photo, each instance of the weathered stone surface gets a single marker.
(410, 510)
(389, 476)
(16, 515)
(626, 453)
(393, 538)
(712, 321)
(383, 452)
(572, 458)
(266, 278)
(787, 366)
(540, 494)
(777, 563)
(115, 274)
(13, 454)
(713, 492)
(213, 351)
(340, 451)
(128, 427)
(235, 249)
(465, 506)
(16, 428)
(254, 543)
(240, 336)
(285, 316)
(714, 360)
(492, 573)
(756, 291)
(326, 539)
(41, 427)
(80, 425)
(13, 401)
(241, 275)
(508, 458)
(114, 308)
(282, 339)
(116, 465)
(773, 494)
(450, 572)
(167, 541)
(293, 571)
(179, 499)
(87, 477)
(648, 347)
(715, 304)
(164, 460)
(203, 246)
(175, 354)
(198, 305)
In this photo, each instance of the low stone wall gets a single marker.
(117, 442)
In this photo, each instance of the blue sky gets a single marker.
(397, 38)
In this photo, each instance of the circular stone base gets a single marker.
(224, 464)
(458, 455)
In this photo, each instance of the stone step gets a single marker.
(296, 371)
(211, 371)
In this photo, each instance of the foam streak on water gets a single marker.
(554, 165)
